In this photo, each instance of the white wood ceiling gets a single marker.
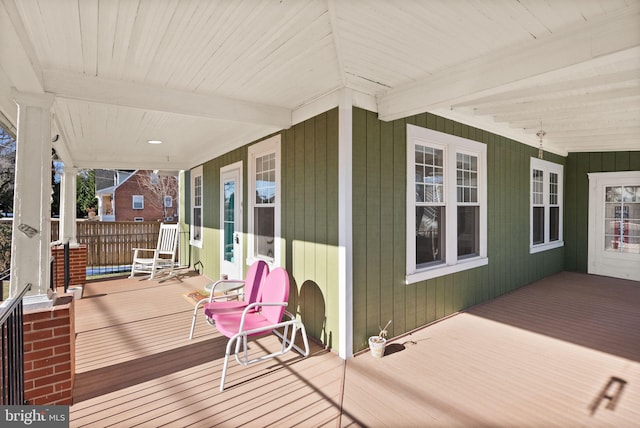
(207, 76)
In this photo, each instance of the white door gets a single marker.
(231, 221)
(614, 224)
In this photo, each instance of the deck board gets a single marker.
(538, 356)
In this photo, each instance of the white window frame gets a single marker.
(196, 172)
(547, 168)
(263, 148)
(451, 145)
(139, 199)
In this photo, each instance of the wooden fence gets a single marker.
(109, 244)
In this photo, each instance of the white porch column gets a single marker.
(68, 231)
(30, 245)
(345, 218)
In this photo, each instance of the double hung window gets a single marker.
(446, 204)
(195, 231)
(546, 205)
(138, 202)
(264, 200)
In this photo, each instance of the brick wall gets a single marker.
(77, 265)
(153, 203)
(49, 354)
(124, 201)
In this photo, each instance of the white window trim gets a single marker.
(546, 167)
(270, 145)
(196, 172)
(133, 201)
(452, 145)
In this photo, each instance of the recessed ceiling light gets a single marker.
(154, 142)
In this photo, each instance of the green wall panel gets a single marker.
(309, 228)
(310, 222)
(577, 198)
(309, 155)
(379, 229)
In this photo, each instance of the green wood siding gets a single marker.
(309, 227)
(379, 229)
(309, 166)
(310, 222)
(577, 198)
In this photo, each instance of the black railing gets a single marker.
(12, 348)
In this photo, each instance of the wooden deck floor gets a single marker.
(540, 356)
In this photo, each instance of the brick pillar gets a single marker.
(49, 354)
(77, 265)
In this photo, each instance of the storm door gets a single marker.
(614, 224)
(231, 221)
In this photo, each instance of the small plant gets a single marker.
(382, 336)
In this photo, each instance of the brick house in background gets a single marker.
(140, 195)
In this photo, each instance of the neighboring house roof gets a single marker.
(112, 189)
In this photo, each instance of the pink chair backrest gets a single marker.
(276, 289)
(254, 281)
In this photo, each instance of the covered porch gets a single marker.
(563, 351)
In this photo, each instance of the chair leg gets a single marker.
(226, 363)
(193, 322)
(133, 264)
(305, 340)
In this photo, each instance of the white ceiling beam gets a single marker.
(130, 94)
(519, 119)
(489, 125)
(488, 74)
(61, 147)
(558, 135)
(601, 143)
(583, 127)
(17, 57)
(120, 163)
(8, 107)
(626, 78)
(537, 106)
(335, 33)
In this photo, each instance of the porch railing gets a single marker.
(12, 349)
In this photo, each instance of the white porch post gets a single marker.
(68, 232)
(31, 235)
(345, 217)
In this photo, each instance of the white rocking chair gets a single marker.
(163, 257)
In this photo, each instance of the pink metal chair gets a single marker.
(249, 290)
(239, 327)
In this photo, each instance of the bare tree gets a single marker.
(163, 191)
(7, 170)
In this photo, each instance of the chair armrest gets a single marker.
(240, 283)
(144, 249)
(254, 305)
